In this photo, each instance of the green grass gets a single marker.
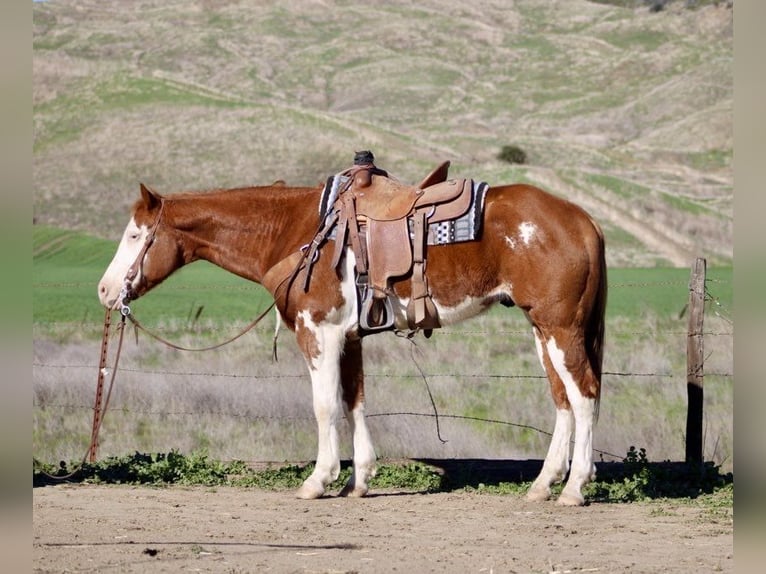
(636, 479)
(662, 291)
(67, 266)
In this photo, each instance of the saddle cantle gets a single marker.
(388, 225)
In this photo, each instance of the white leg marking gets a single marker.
(364, 451)
(364, 454)
(583, 469)
(324, 368)
(325, 385)
(556, 464)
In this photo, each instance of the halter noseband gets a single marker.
(126, 293)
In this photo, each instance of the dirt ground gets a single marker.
(86, 528)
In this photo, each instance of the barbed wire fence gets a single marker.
(50, 405)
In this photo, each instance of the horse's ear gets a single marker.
(151, 198)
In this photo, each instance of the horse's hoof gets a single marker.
(309, 490)
(354, 491)
(538, 494)
(566, 499)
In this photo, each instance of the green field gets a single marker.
(67, 266)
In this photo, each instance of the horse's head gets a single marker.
(147, 254)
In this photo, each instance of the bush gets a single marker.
(512, 154)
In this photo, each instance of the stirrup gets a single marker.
(365, 314)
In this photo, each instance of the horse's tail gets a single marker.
(594, 335)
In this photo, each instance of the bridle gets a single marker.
(126, 293)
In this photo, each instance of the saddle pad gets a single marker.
(464, 228)
(330, 194)
(467, 227)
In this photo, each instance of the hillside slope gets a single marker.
(624, 110)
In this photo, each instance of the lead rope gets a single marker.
(155, 336)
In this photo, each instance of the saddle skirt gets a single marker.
(388, 225)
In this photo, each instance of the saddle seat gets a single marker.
(384, 199)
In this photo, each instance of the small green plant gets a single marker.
(642, 480)
(637, 479)
(289, 476)
(636, 458)
(140, 468)
(197, 469)
(512, 154)
(413, 476)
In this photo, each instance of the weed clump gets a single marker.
(512, 154)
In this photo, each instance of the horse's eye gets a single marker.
(134, 236)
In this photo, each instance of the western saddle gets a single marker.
(386, 224)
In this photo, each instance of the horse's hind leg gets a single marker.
(352, 381)
(573, 384)
(556, 464)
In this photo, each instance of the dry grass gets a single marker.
(227, 93)
(236, 403)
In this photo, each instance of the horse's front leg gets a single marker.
(352, 380)
(322, 347)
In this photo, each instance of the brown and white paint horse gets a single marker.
(538, 252)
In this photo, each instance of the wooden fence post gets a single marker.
(695, 362)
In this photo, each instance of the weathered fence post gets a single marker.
(695, 362)
(98, 404)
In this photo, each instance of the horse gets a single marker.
(536, 251)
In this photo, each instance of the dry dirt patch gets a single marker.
(84, 528)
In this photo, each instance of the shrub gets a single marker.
(512, 154)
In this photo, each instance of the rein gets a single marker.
(155, 336)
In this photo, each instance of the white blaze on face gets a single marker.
(130, 245)
(526, 233)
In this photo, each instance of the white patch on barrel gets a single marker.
(527, 231)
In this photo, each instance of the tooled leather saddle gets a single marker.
(388, 225)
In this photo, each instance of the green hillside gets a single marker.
(623, 109)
